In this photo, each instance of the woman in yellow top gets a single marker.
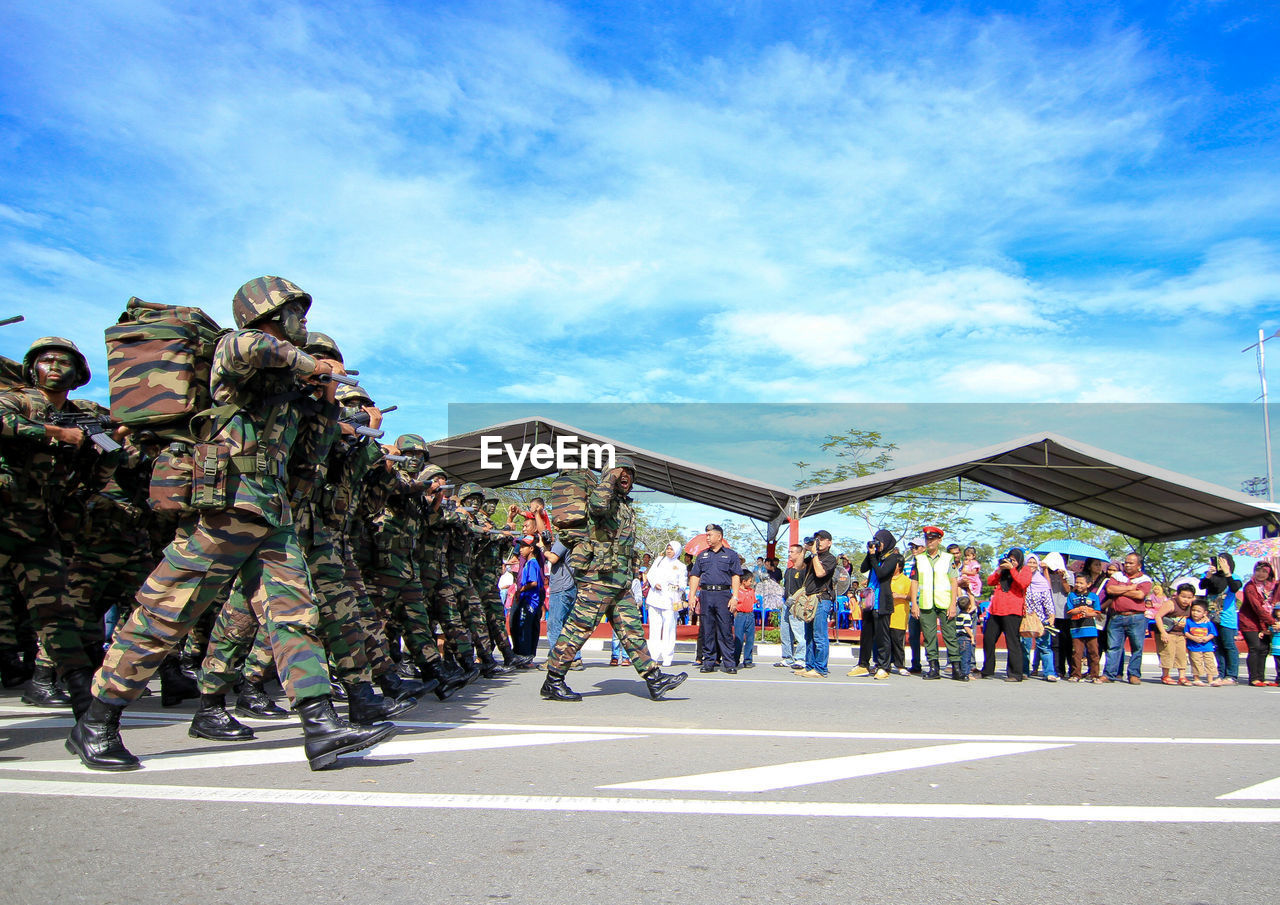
(901, 587)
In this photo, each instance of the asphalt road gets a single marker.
(760, 787)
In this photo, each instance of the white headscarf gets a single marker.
(667, 574)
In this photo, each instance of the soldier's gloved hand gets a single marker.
(72, 436)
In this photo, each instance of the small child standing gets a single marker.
(966, 612)
(1201, 635)
(971, 573)
(1083, 607)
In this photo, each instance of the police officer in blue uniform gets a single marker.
(715, 576)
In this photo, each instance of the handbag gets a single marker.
(1031, 627)
(803, 606)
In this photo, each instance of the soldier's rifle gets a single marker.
(16, 319)
(360, 421)
(97, 428)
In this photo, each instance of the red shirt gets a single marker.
(1255, 612)
(746, 600)
(1012, 602)
(1125, 606)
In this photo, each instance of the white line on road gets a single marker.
(830, 769)
(244, 755)
(737, 681)
(712, 807)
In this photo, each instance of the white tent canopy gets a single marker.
(1143, 501)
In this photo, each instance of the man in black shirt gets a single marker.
(819, 575)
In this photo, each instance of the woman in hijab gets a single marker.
(1222, 594)
(668, 578)
(1257, 621)
(1040, 602)
(1009, 584)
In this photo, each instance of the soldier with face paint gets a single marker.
(45, 471)
(244, 532)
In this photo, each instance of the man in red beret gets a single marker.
(934, 592)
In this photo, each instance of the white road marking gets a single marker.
(830, 769)
(1263, 791)
(704, 807)
(815, 684)
(244, 755)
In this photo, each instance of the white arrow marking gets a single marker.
(1263, 791)
(808, 772)
(243, 756)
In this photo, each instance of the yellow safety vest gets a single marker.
(934, 579)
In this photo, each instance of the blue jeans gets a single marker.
(744, 637)
(816, 640)
(617, 653)
(791, 634)
(1044, 654)
(966, 654)
(558, 608)
(1227, 654)
(1126, 625)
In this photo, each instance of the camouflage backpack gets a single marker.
(10, 374)
(569, 494)
(158, 362)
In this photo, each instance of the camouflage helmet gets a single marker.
(470, 489)
(491, 495)
(257, 300)
(625, 462)
(55, 342)
(411, 443)
(323, 344)
(353, 396)
(431, 472)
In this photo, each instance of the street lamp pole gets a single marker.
(1266, 413)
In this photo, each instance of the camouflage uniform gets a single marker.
(491, 557)
(461, 533)
(42, 485)
(253, 538)
(604, 584)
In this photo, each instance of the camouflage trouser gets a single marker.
(16, 634)
(611, 598)
(260, 665)
(105, 573)
(397, 591)
(196, 644)
(495, 614)
(204, 559)
(376, 649)
(443, 605)
(470, 610)
(31, 555)
(238, 633)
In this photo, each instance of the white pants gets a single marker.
(662, 635)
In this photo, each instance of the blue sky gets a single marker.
(640, 202)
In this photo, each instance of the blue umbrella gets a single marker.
(1068, 547)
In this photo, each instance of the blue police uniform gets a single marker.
(715, 573)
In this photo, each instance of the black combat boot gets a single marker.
(42, 690)
(79, 684)
(190, 666)
(13, 671)
(955, 673)
(467, 666)
(489, 667)
(336, 691)
(328, 735)
(253, 700)
(406, 668)
(366, 707)
(555, 689)
(213, 722)
(96, 739)
(660, 682)
(448, 678)
(934, 672)
(398, 688)
(175, 686)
